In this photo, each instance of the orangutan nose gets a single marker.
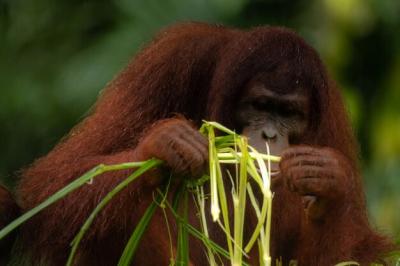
(269, 134)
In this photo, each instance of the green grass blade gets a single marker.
(240, 204)
(177, 197)
(220, 127)
(347, 263)
(199, 235)
(183, 238)
(224, 205)
(215, 210)
(203, 222)
(80, 181)
(261, 219)
(134, 240)
(143, 168)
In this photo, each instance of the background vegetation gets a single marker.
(56, 56)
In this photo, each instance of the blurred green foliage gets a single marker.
(56, 56)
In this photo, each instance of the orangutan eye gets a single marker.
(259, 105)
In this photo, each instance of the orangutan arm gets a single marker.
(174, 141)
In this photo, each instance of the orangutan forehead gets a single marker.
(280, 83)
(283, 79)
(292, 96)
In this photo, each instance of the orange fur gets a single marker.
(198, 71)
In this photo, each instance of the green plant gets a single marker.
(251, 171)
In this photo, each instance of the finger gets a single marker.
(178, 127)
(297, 150)
(172, 145)
(197, 134)
(305, 160)
(197, 141)
(313, 186)
(310, 171)
(300, 172)
(186, 131)
(308, 200)
(314, 206)
(191, 160)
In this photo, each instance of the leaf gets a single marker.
(77, 183)
(143, 168)
(183, 238)
(134, 240)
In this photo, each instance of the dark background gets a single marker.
(56, 56)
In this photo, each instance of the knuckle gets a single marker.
(330, 152)
(167, 124)
(196, 159)
(310, 173)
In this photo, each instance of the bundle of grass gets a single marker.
(250, 164)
